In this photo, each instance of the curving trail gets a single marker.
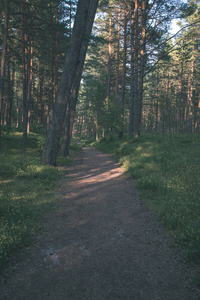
(101, 244)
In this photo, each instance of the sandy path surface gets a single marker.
(101, 244)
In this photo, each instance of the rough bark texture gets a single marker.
(77, 79)
(71, 63)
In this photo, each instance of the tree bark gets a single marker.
(9, 87)
(142, 61)
(190, 96)
(52, 79)
(77, 80)
(68, 128)
(24, 76)
(117, 63)
(139, 76)
(72, 60)
(118, 50)
(121, 132)
(136, 104)
(3, 58)
(109, 59)
(132, 71)
(56, 60)
(30, 83)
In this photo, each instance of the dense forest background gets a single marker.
(138, 75)
(131, 77)
(134, 69)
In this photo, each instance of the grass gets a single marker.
(27, 191)
(166, 170)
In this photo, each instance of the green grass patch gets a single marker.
(166, 170)
(27, 190)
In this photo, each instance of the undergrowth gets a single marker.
(27, 191)
(166, 171)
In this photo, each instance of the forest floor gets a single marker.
(102, 243)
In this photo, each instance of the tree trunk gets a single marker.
(9, 87)
(132, 71)
(109, 58)
(118, 50)
(190, 96)
(24, 76)
(30, 84)
(117, 64)
(72, 60)
(56, 60)
(68, 129)
(3, 58)
(136, 100)
(41, 99)
(123, 73)
(77, 80)
(198, 117)
(142, 62)
(157, 102)
(52, 79)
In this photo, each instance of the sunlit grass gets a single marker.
(166, 170)
(28, 191)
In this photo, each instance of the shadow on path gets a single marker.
(102, 244)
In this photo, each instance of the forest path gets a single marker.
(101, 244)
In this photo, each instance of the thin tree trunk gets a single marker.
(3, 58)
(56, 60)
(9, 87)
(52, 80)
(132, 71)
(190, 96)
(117, 64)
(198, 116)
(123, 73)
(24, 75)
(41, 98)
(30, 84)
(180, 105)
(157, 102)
(142, 62)
(77, 80)
(118, 49)
(136, 100)
(51, 147)
(109, 58)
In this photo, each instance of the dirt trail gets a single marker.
(101, 244)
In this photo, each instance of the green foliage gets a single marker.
(166, 170)
(74, 147)
(38, 129)
(27, 191)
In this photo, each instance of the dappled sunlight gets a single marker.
(139, 148)
(105, 176)
(99, 237)
(89, 185)
(6, 181)
(145, 155)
